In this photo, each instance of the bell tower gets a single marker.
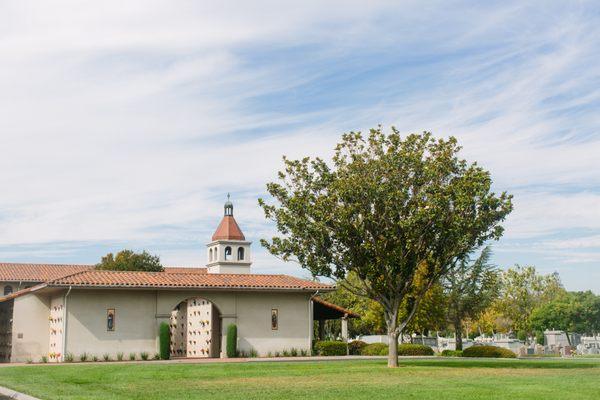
(229, 251)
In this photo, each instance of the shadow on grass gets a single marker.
(504, 363)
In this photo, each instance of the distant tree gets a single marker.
(569, 312)
(522, 291)
(386, 207)
(127, 260)
(470, 287)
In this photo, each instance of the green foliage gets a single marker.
(95, 358)
(164, 337)
(522, 336)
(44, 359)
(303, 353)
(409, 349)
(570, 312)
(539, 337)
(471, 287)
(522, 291)
(232, 340)
(355, 347)
(294, 352)
(106, 357)
(127, 260)
(375, 349)
(452, 353)
(386, 208)
(120, 356)
(144, 356)
(156, 356)
(69, 357)
(131, 356)
(331, 348)
(83, 357)
(488, 351)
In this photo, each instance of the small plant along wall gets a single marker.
(57, 315)
(6, 314)
(194, 329)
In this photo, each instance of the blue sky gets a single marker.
(124, 124)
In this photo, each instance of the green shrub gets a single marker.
(408, 349)
(119, 356)
(232, 340)
(277, 354)
(539, 337)
(355, 347)
(83, 357)
(69, 357)
(95, 358)
(131, 356)
(164, 338)
(488, 351)
(375, 349)
(294, 352)
(331, 348)
(44, 359)
(452, 353)
(522, 336)
(303, 352)
(144, 356)
(156, 356)
(106, 357)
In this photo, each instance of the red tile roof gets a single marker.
(228, 229)
(17, 272)
(138, 279)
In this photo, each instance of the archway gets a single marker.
(195, 329)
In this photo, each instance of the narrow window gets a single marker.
(216, 254)
(240, 253)
(110, 319)
(227, 253)
(8, 290)
(210, 255)
(274, 319)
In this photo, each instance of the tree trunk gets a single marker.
(393, 348)
(458, 334)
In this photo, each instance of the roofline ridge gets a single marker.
(53, 264)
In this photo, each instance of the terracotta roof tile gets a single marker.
(137, 279)
(228, 229)
(18, 272)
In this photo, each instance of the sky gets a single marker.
(125, 124)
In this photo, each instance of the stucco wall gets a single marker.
(30, 327)
(136, 328)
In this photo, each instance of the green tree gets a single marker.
(127, 260)
(570, 312)
(522, 291)
(386, 207)
(471, 287)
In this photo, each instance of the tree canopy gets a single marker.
(471, 287)
(385, 208)
(128, 260)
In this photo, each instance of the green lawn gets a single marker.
(438, 379)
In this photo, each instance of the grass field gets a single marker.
(438, 379)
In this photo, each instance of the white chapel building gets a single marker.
(49, 310)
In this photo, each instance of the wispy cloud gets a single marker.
(124, 124)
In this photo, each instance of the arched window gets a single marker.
(210, 255)
(240, 253)
(8, 290)
(227, 253)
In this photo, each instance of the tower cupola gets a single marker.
(229, 251)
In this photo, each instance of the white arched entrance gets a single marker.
(195, 329)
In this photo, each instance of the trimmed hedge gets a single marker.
(488, 351)
(355, 347)
(232, 341)
(452, 353)
(408, 349)
(164, 338)
(375, 349)
(331, 348)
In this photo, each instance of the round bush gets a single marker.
(355, 347)
(488, 351)
(331, 348)
(452, 353)
(375, 349)
(408, 349)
